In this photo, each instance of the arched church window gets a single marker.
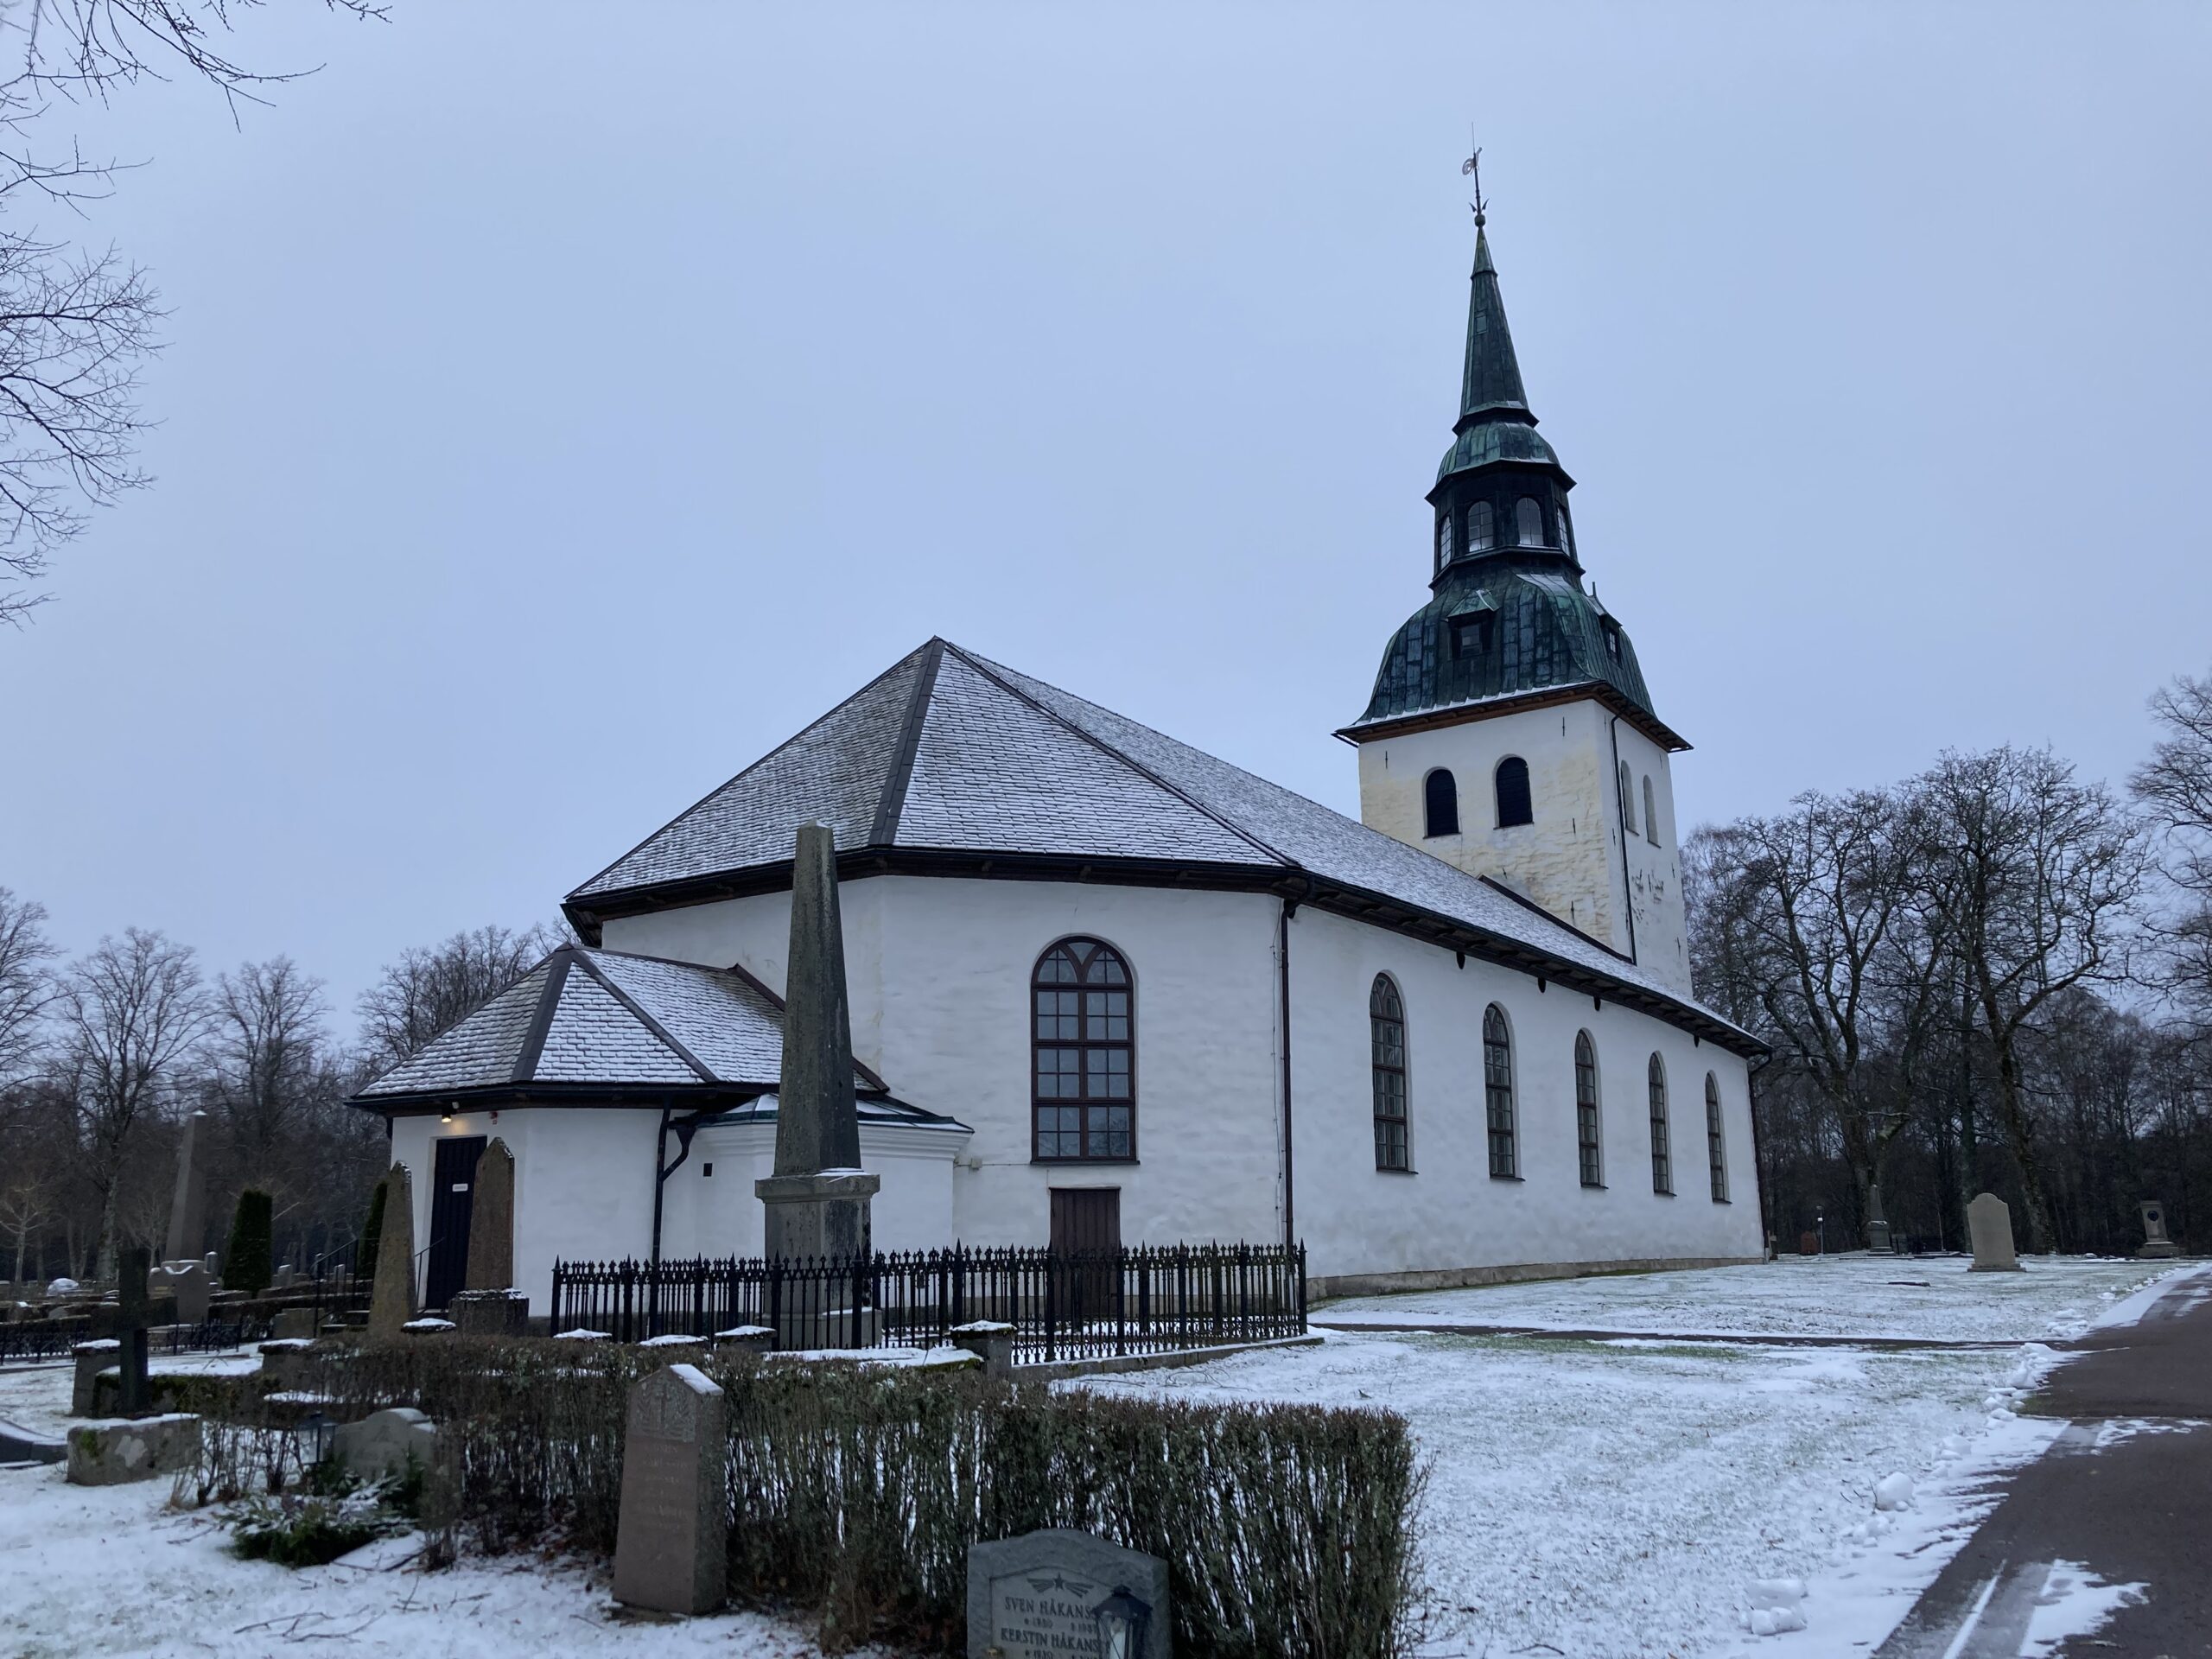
(1386, 1026)
(1440, 803)
(1716, 1146)
(1628, 799)
(1513, 803)
(1498, 1092)
(1662, 1163)
(1482, 531)
(1084, 1043)
(1527, 523)
(1444, 541)
(1566, 535)
(1650, 814)
(1586, 1110)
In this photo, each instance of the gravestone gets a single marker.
(1878, 1224)
(383, 1442)
(492, 1222)
(188, 1197)
(817, 1200)
(2156, 1244)
(293, 1322)
(136, 1397)
(490, 1312)
(1989, 1221)
(107, 1455)
(990, 1341)
(187, 1282)
(391, 1301)
(1040, 1594)
(671, 1540)
(101, 1354)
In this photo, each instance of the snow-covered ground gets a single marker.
(1623, 1497)
(1861, 1295)
(1631, 1496)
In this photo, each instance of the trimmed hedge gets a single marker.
(855, 1490)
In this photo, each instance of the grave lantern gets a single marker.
(321, 1434)
(1122, 1619)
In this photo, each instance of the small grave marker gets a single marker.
(2156, 1244)
(672, 1550)
(1044, 1592)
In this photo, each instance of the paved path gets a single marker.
(2126, 1492)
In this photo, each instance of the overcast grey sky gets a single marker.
(567, 403)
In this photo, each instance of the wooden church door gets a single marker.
(453, 1201)
(1087, 1219)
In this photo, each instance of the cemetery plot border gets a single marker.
(1062, 1305)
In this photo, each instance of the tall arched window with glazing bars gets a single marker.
(1716, 1143)
(1663, 1162)
(1084, 1044)
(1498, 1092)
(1386, 1027)
(1586, 1110)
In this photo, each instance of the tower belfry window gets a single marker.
(1444, 541)
(1482, 531)
(1566, 536)
(1441, 802)
(1627, 800)
(1650, 813)
(1512, 802)
(1527, 523)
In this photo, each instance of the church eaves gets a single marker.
(950, 764)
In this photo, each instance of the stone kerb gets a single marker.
(1038, 1593)
(990, 1341)
(1989, 1224)
(671, 1535)
(108, 1454)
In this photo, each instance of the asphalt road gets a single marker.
(2126, 1492)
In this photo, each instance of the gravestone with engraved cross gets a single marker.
(671, 1532)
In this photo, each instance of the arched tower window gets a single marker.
(1481, 529)
(1662, 1163)
(1716, 1145)
(1528, 522)
(1444, 541)
(1650, 813)
(1586, 1110)
(1628, 799)
(1440, 803)
(1084, 1039)
(1386, 1027)
(1513, 803)
(1566, 535)
(1498, 1091)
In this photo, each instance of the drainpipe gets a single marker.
(1282, 976)
(660, 1174)
(1620, 823)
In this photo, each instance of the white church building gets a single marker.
(1105, 987)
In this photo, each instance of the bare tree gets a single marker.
(2175, 786)
(2035, 882)
(76, 324)
(429, 989)
(25, 987)
(131, 1010)
(265, 1059)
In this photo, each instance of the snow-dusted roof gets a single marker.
(585, 1018)
(949, 752)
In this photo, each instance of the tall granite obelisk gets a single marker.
(817, 1200)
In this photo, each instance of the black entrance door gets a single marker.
(1086, 1232)
(452, 1199)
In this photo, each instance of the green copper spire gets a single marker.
(1491, 383)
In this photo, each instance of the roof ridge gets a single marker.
(541, 1021)
(892, 804)
(637, 1010)
(747, 772)
(988, 671)
(741, 972)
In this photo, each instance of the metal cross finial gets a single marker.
(1473, 165)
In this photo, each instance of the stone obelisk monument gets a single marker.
(817, 1200)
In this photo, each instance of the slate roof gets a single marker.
(586, 1018)
(949, 752)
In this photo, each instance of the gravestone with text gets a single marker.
(1989, 1223)
(1041, 1594)
(2156, 1244)
(492, 1222)
(672, 1550)
(391, 1301)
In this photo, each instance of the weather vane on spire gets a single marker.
(1473, 165)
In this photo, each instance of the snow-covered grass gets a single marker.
(1627, 1496)
(1861, 1295)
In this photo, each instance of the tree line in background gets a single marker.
(1993, 976)
(102, 1058)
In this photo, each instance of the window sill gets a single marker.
(1381, 1170)
(1495, 1177)
(1593, 1187)
(1083, 1163)
(1660, 1193)
(1724, 1200)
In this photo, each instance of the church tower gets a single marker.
(1510, 733)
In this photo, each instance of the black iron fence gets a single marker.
(1063, 1304)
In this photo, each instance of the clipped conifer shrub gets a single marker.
(246, 1264)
